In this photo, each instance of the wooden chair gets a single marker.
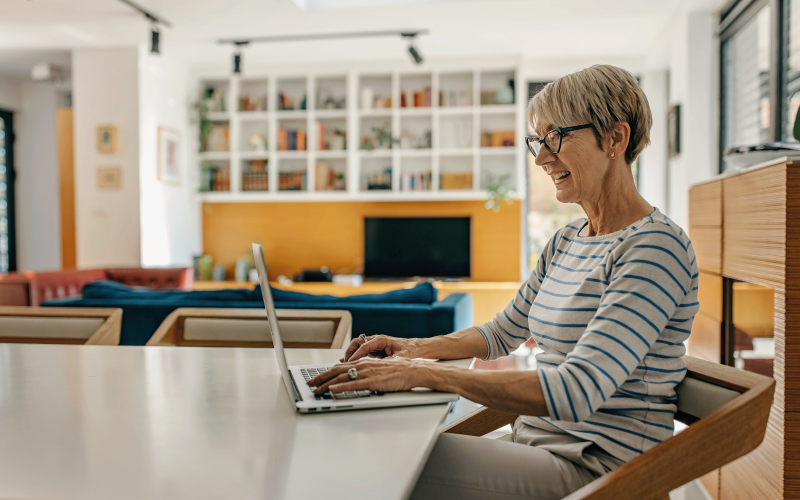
(60, 325)
(300, 328)
(726, 410)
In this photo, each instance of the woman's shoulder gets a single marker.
(573, 227)
(658, 226)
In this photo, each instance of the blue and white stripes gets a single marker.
(611, 314)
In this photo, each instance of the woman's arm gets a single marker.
(510, 391)
(467, 343)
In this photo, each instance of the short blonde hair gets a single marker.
(602, 95)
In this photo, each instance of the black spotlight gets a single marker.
(411, 36)
(415, 54)
(154, 40)
(237, 63)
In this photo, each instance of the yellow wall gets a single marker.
(310, 234)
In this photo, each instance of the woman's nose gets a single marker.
(544, 157)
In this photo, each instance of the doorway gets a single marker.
(8, 246)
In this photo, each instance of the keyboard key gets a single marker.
(363, 394)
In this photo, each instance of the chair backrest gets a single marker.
(321, 329)
(49, 325)
(727, 410)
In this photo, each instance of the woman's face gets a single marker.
(579, 168)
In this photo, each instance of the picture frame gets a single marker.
(169, 155)
(674, 131)
(108, 178)
(107, 139)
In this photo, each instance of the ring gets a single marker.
(352, 373)
(363, 337)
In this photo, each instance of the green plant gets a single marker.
(205, 125)
(498, 191)
(383, 135)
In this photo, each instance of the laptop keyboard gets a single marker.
(309, 373)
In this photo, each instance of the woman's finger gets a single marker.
(327, 375)
(354, 385)
(336, 380)
(374, 344)
(353, 347)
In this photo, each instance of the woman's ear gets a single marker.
(620, 136)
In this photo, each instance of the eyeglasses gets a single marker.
(552, 140)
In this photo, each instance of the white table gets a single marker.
(112, 422)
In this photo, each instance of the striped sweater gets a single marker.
(611, 314)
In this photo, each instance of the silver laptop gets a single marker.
(296, 377)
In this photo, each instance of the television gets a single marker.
(406, 247)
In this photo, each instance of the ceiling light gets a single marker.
(411, 48)
(154, 40)
(237, 56)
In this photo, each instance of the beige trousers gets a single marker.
(474, 468)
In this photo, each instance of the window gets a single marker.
(791, 76)
(7, 246)
(746, 107)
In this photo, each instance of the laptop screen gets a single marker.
(272, 318)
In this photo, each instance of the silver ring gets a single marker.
(352, 373)
(363, 337)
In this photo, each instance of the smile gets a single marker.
(559, 175)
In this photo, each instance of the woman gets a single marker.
(610, 303)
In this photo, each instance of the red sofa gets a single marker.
(31, 288)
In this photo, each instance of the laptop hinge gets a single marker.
(297, 396)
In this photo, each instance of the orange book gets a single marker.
(301, 140)
(321, 136)
(283, 140)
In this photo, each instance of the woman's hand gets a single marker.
(382, 375)
(380, 346)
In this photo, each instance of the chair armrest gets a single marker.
(480, 422)
(451, 314)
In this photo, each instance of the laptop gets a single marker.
(295, 378)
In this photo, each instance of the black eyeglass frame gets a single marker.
(530, 139)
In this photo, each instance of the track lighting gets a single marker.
(155, 20)
(237, 58)
(413, 51)
(154, 40)
(411, 48)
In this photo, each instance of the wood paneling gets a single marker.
(705, 205)
(705, 341)
(709, 295)
(66, 183)
(306, 235)
(760, 473)
(711, 483)
(707, 243)
(754, 207)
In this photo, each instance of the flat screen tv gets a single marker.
(406, 247)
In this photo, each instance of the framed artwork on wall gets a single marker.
(107, 139)
(109, 178)
(674, 131)
(169, 155)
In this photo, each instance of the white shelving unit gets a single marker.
(435, 146)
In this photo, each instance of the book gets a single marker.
(283, 140)
(502, 138)
(301, 140)
(455, 180)
(321, 137)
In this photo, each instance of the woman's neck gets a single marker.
(617, 206)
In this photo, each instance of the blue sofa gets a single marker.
(415, 312)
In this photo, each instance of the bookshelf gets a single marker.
(393, 135)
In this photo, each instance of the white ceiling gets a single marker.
(535, 30)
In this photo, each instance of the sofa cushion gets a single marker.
(113, 290)
(423, 293)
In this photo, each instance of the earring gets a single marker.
(612, 154)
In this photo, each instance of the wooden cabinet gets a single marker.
(745, 227)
